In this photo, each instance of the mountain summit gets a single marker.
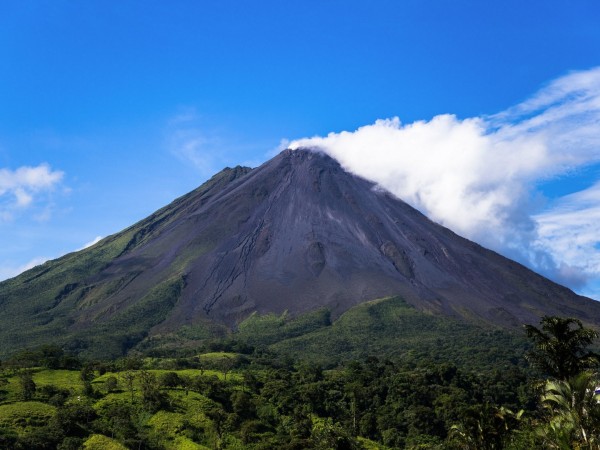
(295, 234)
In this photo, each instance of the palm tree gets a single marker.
(573, 413)
(561, 347)
(484, 427)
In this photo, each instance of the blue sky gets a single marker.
(109, 110)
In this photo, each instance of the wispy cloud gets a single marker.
(90, 243)
(193, 143)
(570, 232)
(478, 175)
(194, 148)
(21, 187)
(8, 271)
(206, 148)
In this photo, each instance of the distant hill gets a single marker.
(297, 234)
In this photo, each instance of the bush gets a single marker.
(169, 380)
(100, 442)
(111, 384)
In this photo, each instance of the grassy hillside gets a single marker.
(386, 327)
(73, 300)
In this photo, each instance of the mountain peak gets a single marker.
(296, 234)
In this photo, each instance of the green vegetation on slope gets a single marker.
(270, 329)
(226, 400)
(125, 329)
(258, 404)
(67, 301)
(40, 298)
(387, 327)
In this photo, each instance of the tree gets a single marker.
(218, 417)
(87, 373)
(28, 386)
(573, 412)
(129, 380)
(111, 384)
(226, 364)
(484, 427)
(74, 419)
(329, 435)
(152, 397)
(8, 438)
(169, 380)
(3, 383)
(561, 347)
(116, 420)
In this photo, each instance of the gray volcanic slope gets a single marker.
(297, 233)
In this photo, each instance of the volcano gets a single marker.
(296, 234)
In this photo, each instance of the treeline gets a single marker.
(255, 400)
(270, 405)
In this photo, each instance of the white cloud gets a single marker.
(92, 242)
(189, 140)
(283, 144)
(19, 188)
(8, 271)
(478, 175)
(31, 178)
(195, 149)
(570, 231)
(208, 149)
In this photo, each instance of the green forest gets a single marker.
(228, 394)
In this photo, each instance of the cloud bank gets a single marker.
(19, 188)
(480, 176)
